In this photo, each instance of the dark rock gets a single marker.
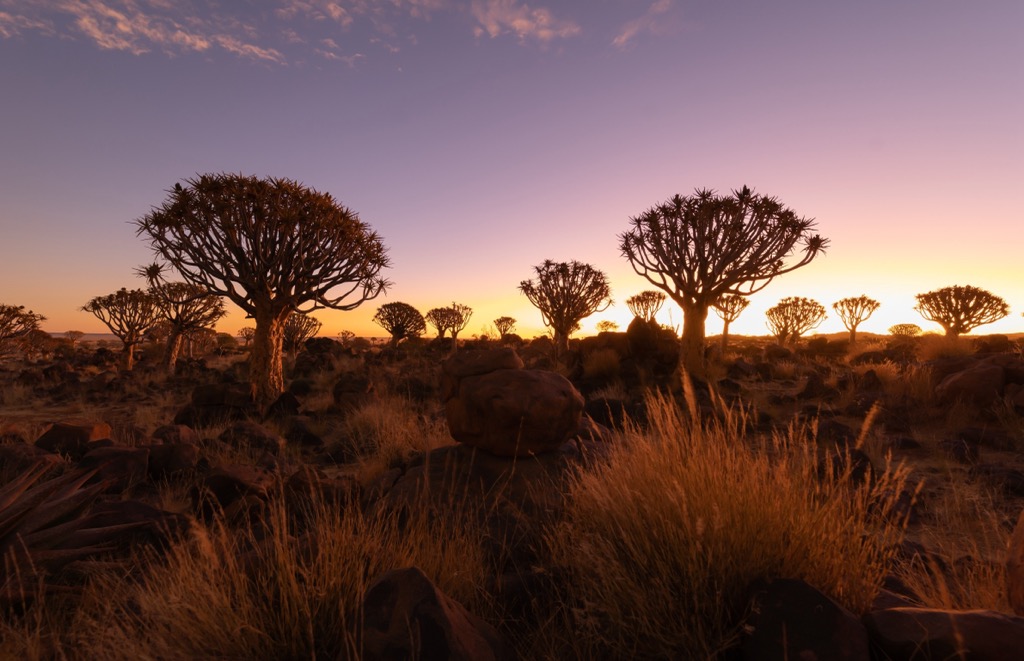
(167, 459)
(120, 467)
(175, 434)
(246, 434)
(1015, 568)
(960, 450)
(227, 485)
(298, 430)
(1008, 479)
(980, 384)
(72, 439)
(904, 634)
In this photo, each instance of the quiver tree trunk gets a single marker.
(691, 348)
(172, 350)
(725, 336)
(128, 359)
(266, 369)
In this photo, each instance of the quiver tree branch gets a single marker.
(794, 316)
(646, 304)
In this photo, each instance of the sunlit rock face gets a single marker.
(494, 405)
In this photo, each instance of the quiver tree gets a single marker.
(607, 326)
(271, 247)
(505, 325)
(566, 293)
(247, 334)
(699, 248)
(185, 308)
(299, 328)
(400, 320)
(459, 316)
(128, 315)
(16, 324)
(646, 304)
(73, 336)
(854, 311)
(440, 319)
(905, 330)
(961, 309)
(729, 307)
(794, 316)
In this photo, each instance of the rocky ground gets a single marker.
(97, 464)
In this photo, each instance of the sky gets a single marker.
(482, 137)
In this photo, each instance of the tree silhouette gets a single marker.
(186, 308)
(700, 247)
(440, 319)
(961, 309)
(566, 293)
(16, 324)
(128, 315)
(299, 328)
(505, 325)
(793, 316)
(646, 304)
(271, 247)
(74, 336)
(247, 334)
(729, 307)
(460, 316)
(854, 311)
(400, 320)
(607, 326)
(905, 330)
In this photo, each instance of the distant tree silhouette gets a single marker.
(566, 293)
(854, 311)
(185, 307)
(607, 326)
(700, 247)
(460, 316)
(272, 247)
(793, 316)
(16, 324)
(440, 319)
(400, 320)
(73, 337)
(247, 334)
(505, 325)
(961, 309)
(905, 330)
(646, 304)
(128, 314)
(729, 307)
(299, 328)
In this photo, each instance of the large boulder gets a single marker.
(904, 634)
(72, 439)
(979, 384)
(474, 363)
(407, 617)
(247, 434)
(514, 413)
(119, 466)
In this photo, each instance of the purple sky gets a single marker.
(481, 137)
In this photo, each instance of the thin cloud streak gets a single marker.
(649, 22)
(498, 17)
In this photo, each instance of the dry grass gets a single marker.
(933, 347)
(601, 364)
(663, 542)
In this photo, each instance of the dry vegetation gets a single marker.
(655, 553)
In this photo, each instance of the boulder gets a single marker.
(1015, 568)
(166, 459)
(903, 634)
(119, 466)
(514, 413)
(19, 457)
(979, 384)
(792, 620)
(72, 439)
(407, 617)
(227, 485)
(475, 363)
(175, 434)
(246, 434)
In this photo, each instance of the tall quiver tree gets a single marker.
(793, 316)
(128, 315)
(271, 247)
(699, 248)
(646, 304)
(186, 308)
(729, 307)
(401, 320)
(854, 311)
(566, 293)
(961, 309)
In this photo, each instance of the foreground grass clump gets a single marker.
(274, 590)
(662, 543)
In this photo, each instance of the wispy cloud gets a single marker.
(651, 21)
(498, 17)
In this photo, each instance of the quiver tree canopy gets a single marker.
(16, 324)
(961, 309)
(270, 246)
(793, 316)
(400, 320)
(701, 247)
(646, 304)
(566, 293)
(853, 311)
(128, 314)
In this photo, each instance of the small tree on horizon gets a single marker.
(959, 309)
(793, 316)
(905, 330)
(853, 311)
(566, 293)
(128, 314)
(247, 333)
(607, 326)
(272, 247)
(505, 325)
(698, 248)
(16, 324)
(646, 304)
(728, 307)
(400, 320)
(73, 336)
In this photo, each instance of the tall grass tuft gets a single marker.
(662, 543)
(274, 591)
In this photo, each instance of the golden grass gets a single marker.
(601, 364)
(933, 347)
(663, 541)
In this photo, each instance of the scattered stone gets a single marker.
(167, 459)
(72, 439)
(120, 467)
(246, 434)
(980, 384)
(407, 617)
(924, 634)
(175, 434)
